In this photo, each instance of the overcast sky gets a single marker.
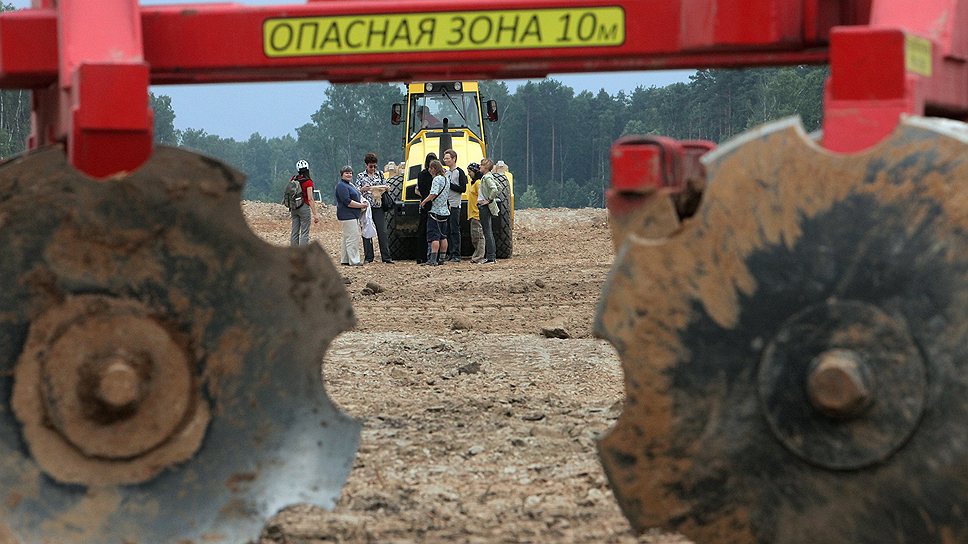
(238, 110)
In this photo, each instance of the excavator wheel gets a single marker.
(161, 364)
(502, 226)
(796, 354)
(403, 244)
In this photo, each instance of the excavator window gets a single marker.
(430, 110)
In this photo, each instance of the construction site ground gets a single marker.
(477, 426)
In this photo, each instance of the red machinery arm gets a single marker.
(225, 42)
(97, 96)
(888, 56)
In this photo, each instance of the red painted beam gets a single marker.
(28, 49)
(222, 43)
(901, 56)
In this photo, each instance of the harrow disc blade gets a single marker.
(796, 355)
(161, 364)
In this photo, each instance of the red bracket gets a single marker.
(99, 102)
(869, 88)
(646, 166)
(910, 59)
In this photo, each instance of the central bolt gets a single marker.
(838, 385)
(118, 383)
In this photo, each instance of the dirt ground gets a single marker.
(477, 427)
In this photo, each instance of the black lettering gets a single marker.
(402, 33)
(349, 33)
(476, 24)
(606, 34)
(501, 29)
(566, 19)
(274, 41)
(426, 26)
(587, 31)
(533, 29)
(331, 37)
(312, 42)
(458, 32)
(371, 31)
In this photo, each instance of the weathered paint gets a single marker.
(783, 226)
(253, 320)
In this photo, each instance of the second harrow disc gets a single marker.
(796, 355)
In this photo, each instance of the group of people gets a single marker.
(440, 185)
(357, 208)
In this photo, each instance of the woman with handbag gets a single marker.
(368, 180)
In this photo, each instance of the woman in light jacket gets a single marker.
(367, 181)
(488, 209)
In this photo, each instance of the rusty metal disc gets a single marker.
(796, 355)
(162, 362)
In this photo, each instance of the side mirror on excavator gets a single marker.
(396, 114)
(491, 110)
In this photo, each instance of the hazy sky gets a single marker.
(238, 110)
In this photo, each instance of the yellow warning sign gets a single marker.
(917, 55)
(444, 31)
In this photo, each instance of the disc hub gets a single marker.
(842, 384)
(101, 379)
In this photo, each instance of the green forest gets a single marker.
(555, 141)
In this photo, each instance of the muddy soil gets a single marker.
(477, 426)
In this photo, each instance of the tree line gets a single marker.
(555, 141)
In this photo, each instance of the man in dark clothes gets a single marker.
(424, 180)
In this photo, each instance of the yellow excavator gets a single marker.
(438, 116)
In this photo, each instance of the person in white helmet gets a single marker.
(302, 215)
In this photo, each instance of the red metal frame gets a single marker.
(92, 61)
(644, 167)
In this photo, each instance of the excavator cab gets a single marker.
(443, 105)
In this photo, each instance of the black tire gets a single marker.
(503, 225)
(403, 246)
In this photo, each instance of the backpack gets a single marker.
(293, 198)
(461, 184)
